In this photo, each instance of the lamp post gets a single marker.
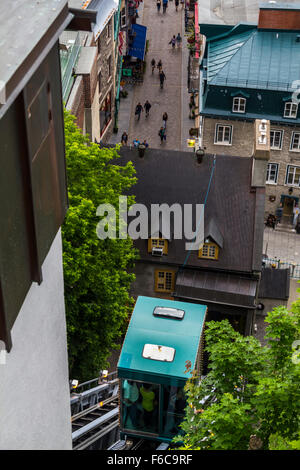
(141, 150)
(199, 155)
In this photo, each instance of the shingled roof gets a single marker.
(165, 176)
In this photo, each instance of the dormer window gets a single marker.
(209, 250)
(158, 243)
(290, 110)
(239, 105)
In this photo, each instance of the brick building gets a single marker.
(248, 72)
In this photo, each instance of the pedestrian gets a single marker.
(158, 5)
(278, 213)
(165, 5)
(296, 212)
(162, 135)
(138, 110)
(159, 65)
(182, 4)
(153, 65)
(165, 118)
(136, 143)
(162, 78)
(147, 107)
(124, 138)
(131, 396)
(148, 404)
(178, 40)
(173, 42)
(146, 143)
(176, 4)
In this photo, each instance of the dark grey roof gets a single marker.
(165, 176)
(212, 231)
(274, 284)
(227, 288)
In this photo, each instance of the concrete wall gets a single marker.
(34, 388)
(242, 145)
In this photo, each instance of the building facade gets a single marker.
(250, 71)
(34, 381)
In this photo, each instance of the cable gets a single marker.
(198, 226)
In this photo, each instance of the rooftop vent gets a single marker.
(158, 353)
(169, 312)
(157, 251)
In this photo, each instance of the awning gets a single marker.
(137, 48)
(223, 288)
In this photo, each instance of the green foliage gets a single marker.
(96, 274)
(249, 390)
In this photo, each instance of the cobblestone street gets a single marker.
(174, 97)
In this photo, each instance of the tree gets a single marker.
(96, 271)
(250, 391)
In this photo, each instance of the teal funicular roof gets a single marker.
(144, 328)
(254, 59)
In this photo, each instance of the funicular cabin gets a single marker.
(163, 344)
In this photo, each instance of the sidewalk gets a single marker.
(173, 98)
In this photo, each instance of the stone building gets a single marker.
(224, 273)
(250, 71)
(92, 97)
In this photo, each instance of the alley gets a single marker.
(173, 98)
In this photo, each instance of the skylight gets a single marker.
(158, 353)
(169, 312)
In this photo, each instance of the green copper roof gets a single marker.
(259, 59)
(145, 328)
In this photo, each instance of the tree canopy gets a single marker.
(96, 271)
(250, 397)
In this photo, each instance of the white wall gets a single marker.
(34, 389)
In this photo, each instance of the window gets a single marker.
(108, 31)
(99, 82)
(293, 175)
(272, 173)
(295, 141)
(109, 67)
(223, 134)
(169, 312)
(239, 105)
(158, 243)
(290, 110)
(209, 251)
(123, 17)
(164, 280)
(158, 353)
(276, 139)
(99, 45)
(105, 113)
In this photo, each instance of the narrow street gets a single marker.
(174, 97)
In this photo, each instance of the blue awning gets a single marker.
(137, 49)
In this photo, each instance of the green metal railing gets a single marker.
(278, 264)
(68, 61)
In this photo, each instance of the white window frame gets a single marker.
(240, 103)
(223, 142)
(276, 131)
(288, 173)
(297, 149)
(290, 110)
(269, 170)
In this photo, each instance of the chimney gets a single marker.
(285, 16)
(261, 152)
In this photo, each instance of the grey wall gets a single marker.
(34, 389)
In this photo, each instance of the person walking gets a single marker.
(124, 138)
(159, 65)
(162, 134)
(165, 118)
(153, 65)
(162, 78)
(176, 4)
(147, 107)
(165, 5)
(158, 5)
(182, 4)
(173, 42)
(178, 40)
(138, 110)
